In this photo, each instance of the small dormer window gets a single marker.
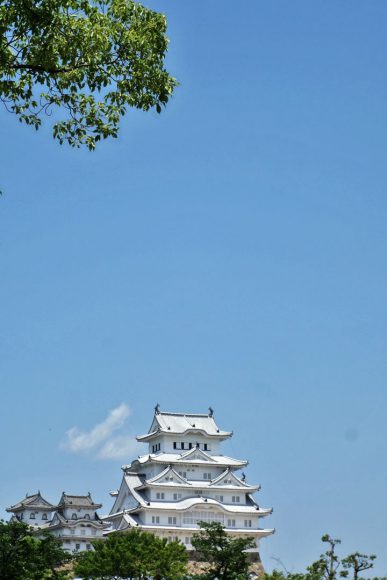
(44, 516)
(174, 445)
(32, 516)
(74, 517)
(87, 517)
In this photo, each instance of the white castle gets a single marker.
(184, 479)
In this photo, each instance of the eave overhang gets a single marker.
(193, 502)
(221, 436)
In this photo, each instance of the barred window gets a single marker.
(193, 517)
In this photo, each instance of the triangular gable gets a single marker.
(56, 519)
(123, 525)
(169, 475)
(228, 478)
(39, 501)
(197, 454)
(155, 425)
(120, 497)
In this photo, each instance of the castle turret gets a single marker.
(33, 510)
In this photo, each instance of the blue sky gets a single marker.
(229, 252)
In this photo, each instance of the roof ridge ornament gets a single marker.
(157, 409)
(210, 411)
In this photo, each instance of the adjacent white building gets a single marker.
(184, 479)
(74, 520)
(33, 510)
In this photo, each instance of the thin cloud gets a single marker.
(78, 441)
(121, 447)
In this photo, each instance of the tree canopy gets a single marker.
(135, 555)
(329, 566)
(225, 553)
(24, 556)
(88, 60)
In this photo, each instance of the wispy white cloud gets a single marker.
(121, 447)
(78, 441)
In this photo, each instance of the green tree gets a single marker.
(24, 556)
(357, 563)
(327, 565)
(225, 553)
(91, 59)
(135, 555)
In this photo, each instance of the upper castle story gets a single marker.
(177, 433)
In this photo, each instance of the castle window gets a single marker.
(202, 516)
(247, 523)
(72, 532)
(160, 495)
(88, 546)
(74, 517)
(172, 521)
(219, 498)
(205, 447)
(93, 532)
(190, 445)
(207, 476)
(183, 474)
(231, 523)
(182, 445)
(155, 519)
(77, 546)
(22, 516)
(186, 540)
(32, 516)
(83, 532)
(87, 517)
(44, 516)
(176, 496)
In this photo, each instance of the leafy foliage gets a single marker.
(329, 566)
(134, 554)
(23, 556)
(357, 563)
(225, 553)
(92, 59)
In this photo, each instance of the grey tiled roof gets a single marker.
(77, 501)
(35, 500)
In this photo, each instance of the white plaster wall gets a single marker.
(38, 520)
(166, 444)
(79, 512)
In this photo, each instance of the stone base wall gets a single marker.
(196, 567)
